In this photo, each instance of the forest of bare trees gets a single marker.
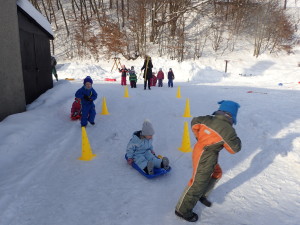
(180, 29)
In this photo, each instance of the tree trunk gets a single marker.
(285, 3)
(65, 21)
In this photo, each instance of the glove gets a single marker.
(130, 161)
(87, 98)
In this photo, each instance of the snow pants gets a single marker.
(123, 80)
(141, 160)
(170, 83)
(206, 176)
(133, 84)
(88, 114)
(160, 82)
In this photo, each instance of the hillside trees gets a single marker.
(180, 29)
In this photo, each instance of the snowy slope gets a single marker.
(42, 182)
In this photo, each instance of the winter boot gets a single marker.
(193, 218)
(205, 202)
(150, 168)
(165, 163)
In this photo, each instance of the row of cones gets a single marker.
(186, 143)
(126, 95)
(87, 153)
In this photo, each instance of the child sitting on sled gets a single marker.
(76, 109)
(140, 150)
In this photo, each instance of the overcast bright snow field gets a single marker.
(42, 182)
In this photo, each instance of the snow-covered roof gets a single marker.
(28, 8)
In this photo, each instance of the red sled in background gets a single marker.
(110, 79)
(76, 109)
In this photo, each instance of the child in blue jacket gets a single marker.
(87, 95)
(140, 150)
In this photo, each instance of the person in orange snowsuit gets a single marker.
(213, 133)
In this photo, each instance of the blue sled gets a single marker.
(157, 171)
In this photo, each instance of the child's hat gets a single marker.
(147, 129)
(229, 107)
(87, 79)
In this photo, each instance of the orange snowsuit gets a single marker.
(213, 133)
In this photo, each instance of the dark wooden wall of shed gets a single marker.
(35, 54)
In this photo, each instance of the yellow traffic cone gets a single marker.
(87, 153)
(187, 109)
(186, 143)
(104, 107)
(178, 93)
(126, 95)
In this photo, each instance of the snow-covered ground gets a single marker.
(42, 182)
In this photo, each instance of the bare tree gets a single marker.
(64, 17)
(132, 27)
(284, 4)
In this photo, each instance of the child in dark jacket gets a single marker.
(123, 72)
(132, 77)
(170, 77)
(140, 150)
(87, 95)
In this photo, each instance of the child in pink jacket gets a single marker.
(160, 77)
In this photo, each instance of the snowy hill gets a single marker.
(42, 182)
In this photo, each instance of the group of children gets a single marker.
(160, 77)
(139, 149)
(133, 77)
(213, 133)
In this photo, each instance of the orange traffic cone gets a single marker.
(87, 153)
(104, 107)
(186, 143)
(187, 109)
(126, 95)
(178, 95)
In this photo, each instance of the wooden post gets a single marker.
(226, 61)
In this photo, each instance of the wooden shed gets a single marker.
(35, 35)
(25, 69)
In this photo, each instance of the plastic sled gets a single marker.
(77, 117)
(110, 79)
(157, 171)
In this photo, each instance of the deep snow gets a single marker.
(42, 182)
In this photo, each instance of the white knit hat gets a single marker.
(147, 129)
